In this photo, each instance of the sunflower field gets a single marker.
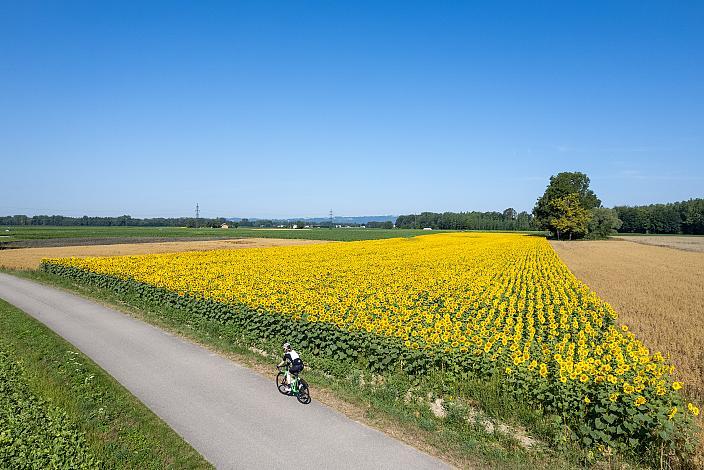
(469, 304)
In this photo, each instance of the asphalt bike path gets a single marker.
(233, 416)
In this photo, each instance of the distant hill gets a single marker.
(336, 219)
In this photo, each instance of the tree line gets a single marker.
(678, 217)
(120, 221)
(128, 221)
(388, 225)
(567, 209)
(509, 219)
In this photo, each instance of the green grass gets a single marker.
(35, 433)
(382, 398)
(16, 233)
(119, 430)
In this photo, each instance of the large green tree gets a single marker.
(604, 222)
(568, 216)
(563, 185)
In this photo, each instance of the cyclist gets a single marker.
(294, 362)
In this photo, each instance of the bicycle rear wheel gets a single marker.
(280, 383)
(303, 395)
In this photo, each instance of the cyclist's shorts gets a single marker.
(295, 368)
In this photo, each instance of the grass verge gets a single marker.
(119, 430)
(421, 413)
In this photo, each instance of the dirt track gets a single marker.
(30, 258)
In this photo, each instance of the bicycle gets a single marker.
(299, 387)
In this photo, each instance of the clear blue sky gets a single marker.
(277, 109)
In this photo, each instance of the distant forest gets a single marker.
(506, 220)
(685, 217)
(121, 221)
(128, 221)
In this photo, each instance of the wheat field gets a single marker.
(687, 243)
(658, 293)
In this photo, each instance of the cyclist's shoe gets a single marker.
(287, 389)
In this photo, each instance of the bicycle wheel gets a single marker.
(280, 383)
(303, 395)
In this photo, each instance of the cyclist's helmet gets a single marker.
(287, 346)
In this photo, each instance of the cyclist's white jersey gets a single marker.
(293, 357)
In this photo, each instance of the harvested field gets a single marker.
(47, 242)
(691, 243)
(30, 258)
(658, 293)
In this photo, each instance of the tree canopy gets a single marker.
(678, 217)
(509, 219)
(604, 222)
(567, 216)
(559, 205)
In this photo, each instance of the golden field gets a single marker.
(687, 243)
(658, 292)
(505, 301)
(30, 258)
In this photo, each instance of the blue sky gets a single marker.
(282, 109)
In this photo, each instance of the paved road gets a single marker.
(234, 417)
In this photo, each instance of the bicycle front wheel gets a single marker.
(280, 377)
